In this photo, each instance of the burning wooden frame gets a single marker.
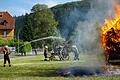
(110, 38)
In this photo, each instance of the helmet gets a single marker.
(46, 46)
(74, 46)
(6, 46)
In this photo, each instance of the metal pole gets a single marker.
(18, 40)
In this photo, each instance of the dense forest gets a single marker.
(37, 24)
(78, 22)
(67, 15)
(60, 20)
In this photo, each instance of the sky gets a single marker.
(20, 7)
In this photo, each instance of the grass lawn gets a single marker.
(34, 68)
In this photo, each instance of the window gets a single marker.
(4, 33)
(0, 14)
(3, 22)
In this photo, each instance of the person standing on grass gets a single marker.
(76, 52)
(45, 53)
(6, 52)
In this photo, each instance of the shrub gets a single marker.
(27, 47)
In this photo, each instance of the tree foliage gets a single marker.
(44, 21)
(44, 24)
(27, 47)
(19, 23)
(39, 23)
(27, 30)
(39, 7)
(69, 14)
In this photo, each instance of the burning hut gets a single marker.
(110, 38)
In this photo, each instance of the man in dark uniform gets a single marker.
(6, 52)
(45, 53)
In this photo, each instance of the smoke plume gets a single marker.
(87, 32)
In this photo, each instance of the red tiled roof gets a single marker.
(10, 21)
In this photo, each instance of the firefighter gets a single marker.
(6, 52)
(76, 52)
(45, 53)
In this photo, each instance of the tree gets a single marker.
(39, 23)
(19, 23)
(69, 14)
(27, 30)
(44, 23)
(39, 7)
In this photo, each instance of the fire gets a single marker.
(112, 23)
(110, 34)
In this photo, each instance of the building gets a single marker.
(7, 26)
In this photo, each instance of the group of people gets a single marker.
(63, 52)
(74, 49)
(6, 52)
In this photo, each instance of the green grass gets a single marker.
(34, 68)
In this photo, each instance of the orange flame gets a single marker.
(110, 32)
(112, 23)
